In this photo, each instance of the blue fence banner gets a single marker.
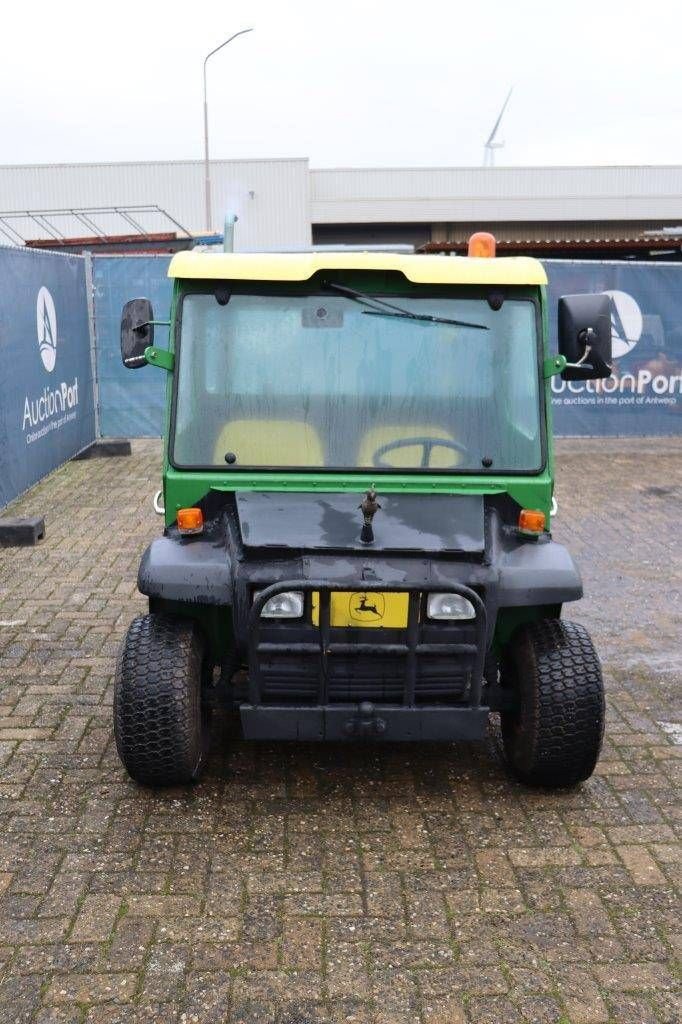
(643, 397)
(47, 410)
(131, 402)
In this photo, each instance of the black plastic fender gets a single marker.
(537, 573)
(192, 570)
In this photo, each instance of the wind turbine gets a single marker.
(490, 144)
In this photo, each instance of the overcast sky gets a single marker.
(379, 82)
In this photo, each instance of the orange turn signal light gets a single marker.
(531, 521)
(190, 520)
(482, 244)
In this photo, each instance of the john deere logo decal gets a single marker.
(46, 319)
(367, 607)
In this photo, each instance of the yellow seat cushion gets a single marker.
(270, 443)
(410, 456)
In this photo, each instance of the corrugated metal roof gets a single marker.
(519, 245)
(526, 231)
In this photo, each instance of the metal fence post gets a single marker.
(92, 328)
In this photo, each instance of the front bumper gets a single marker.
(366, 721)
(325, 687)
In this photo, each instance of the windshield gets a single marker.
(311, 382)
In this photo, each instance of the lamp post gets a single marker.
(207, 172)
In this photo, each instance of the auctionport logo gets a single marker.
(56, 405)
(46, 320)
(626, 323)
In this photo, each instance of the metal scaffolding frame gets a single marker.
(44, 219)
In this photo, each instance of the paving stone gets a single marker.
(588, 912)
(495, 868)
(539, 1009)
(348, 971)
(59, 1015)
(19, 998)
(130, 943)
(584, 1002)
(641, 865)
(493, 1010)
(373, 885)
(633, 977)
(164, 974)
(302, 943)
(95, 919)
(127, 1014)
(443, 1010)
(91, 988)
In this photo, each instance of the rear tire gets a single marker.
(160, 722)
(554, 737)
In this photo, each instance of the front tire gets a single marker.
(160, 722)
(554, 736)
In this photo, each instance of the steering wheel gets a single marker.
(427, 445)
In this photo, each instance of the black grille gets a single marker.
(422, 664)
(294, 678)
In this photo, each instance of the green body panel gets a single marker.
(509, 619)
(183, 488)
(216, 623)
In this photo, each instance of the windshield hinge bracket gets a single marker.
(160, 357)
(553, 365)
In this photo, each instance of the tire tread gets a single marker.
(556, 739)
(157, 701)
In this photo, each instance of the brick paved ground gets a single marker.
(302, 884)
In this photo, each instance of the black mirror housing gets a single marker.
(585, 336)
(137, 332)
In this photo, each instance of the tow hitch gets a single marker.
(366, 723)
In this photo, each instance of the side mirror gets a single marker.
(585, 336)
(137, 332)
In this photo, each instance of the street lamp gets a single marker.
(207, 172)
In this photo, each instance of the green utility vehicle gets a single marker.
(357, 484)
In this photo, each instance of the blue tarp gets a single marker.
(46, 393)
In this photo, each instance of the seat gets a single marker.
(258, 442)
(410, 456)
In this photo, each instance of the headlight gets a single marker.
(449, 606)
(288, 605)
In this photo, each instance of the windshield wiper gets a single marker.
(406, 314)
(390, 309)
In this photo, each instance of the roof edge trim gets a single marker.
(427, 269)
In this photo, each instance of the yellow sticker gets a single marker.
(369, 608)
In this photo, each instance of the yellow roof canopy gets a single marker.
(280, 266)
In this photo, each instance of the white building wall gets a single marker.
(356, 195)
(277, 201)
(270, 197)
